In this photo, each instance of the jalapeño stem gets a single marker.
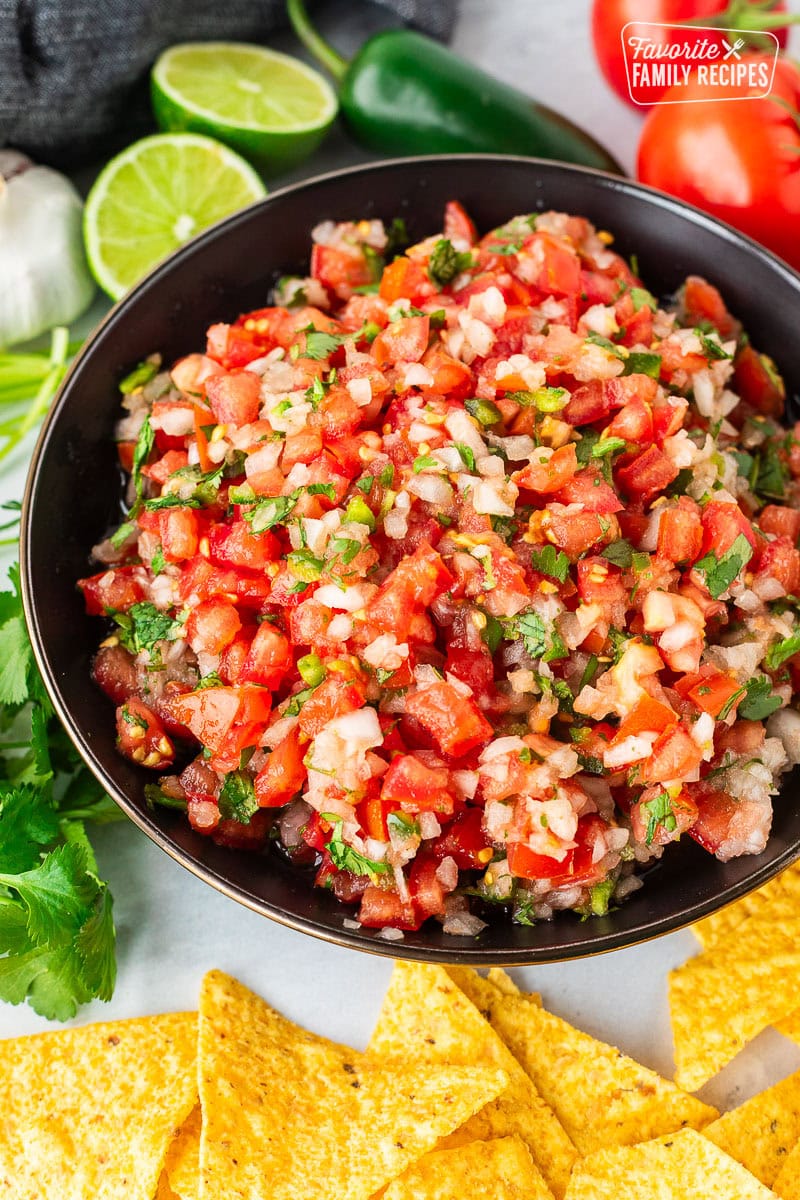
(314, 42)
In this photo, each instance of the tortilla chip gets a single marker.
(182, 1167)
(425, 1018)
(787, 1181)
(790, 1026)
(723, 998)
(680, 1166)
(760, 1133)
(91, 1111)
(482, 990)
(600, 1096)
(500, 1169)
(504, 983)
(766, 903)
(287, 1113)
(164, 1191)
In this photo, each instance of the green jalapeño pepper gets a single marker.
(404, 93)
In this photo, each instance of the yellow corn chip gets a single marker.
(600, 1096)
(790, 1026)
(288, 1114)
(182, 1168)
(482, 990)
(165, 1192)
(723, 998)
(500, 1169)
(90, 1112)
(760, 1133)
(787, 1181)
(776, 898)
(425, 1018)
(680, 1166)
(504, 983)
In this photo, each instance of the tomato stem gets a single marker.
(753, 18)
(314, 42)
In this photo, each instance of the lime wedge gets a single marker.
(156, 195)
(270, 107)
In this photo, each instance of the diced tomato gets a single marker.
(577, 532)
(702, 303)
(593, 401)
(125, 453)
(668, 416)
(780, 520)
(633, 422)
(212, 625)
(560, 274)
(427, 891)
(141, 736)
(577, 867)
(648, 475)
(235, 655)
(340, 268)
(303, 447)
(715, 812)
(680, 531)
(674, 756)
(457, 224)
(234, 544)
(416, 787)
(404, 340)
(646, 716)
(405, 279)
(338, 694)
(600, 582)
(180, 533)
(269, 659)
(454, 721)
(372, 815)
(451, 377)
(383, 908)
(548, 473)
(780, 560)
(225, 718)
(589, 488)
(283, 774)
(656, 831)
(414, 583)
(234, 399)
(465, 842)
(160, 471)
(114, 590)
(744, 737)
(722, 524)
(709, 690)
(758, 383)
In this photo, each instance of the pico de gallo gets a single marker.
(465, 574)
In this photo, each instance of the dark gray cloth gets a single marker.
(73, 73)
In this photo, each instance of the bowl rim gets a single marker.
(464, 949)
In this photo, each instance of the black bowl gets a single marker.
(73, 489)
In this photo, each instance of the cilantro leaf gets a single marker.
(446, 262)
(95, 946)
(237, 798)
(640, 362)
(138, 377)
(320, 344)
(721, 572)
(530, 627)
(56, 894)
(759, 701)
(143, 625)
(711, 348)
(781, 651)
(269, 511)
(346, 857)
(597, 339)
(551, 562)
(16, 659)
(141, 452)
(619, 552)
(659, 812)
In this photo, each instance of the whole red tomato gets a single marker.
(609, 17)
(737, 159)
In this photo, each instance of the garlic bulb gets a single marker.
(45, 280)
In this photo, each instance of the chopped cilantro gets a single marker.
(138, 377)
(345, 548)
(425, 460)
(158, 562)
(720, 572)
(121, 535)
(768, 475)
(141, 452)
(642, 299)
(237, 798)
(320, 344)
(322, 489)
(386, 477)
(597, 339)
(591, 764)
(620, 553)
(760, 701)
(269, 511)
(659, 812)
(589, 672)
(402, 825)
(364, 484)
(491, 632)
(446, 262)
(711, 348)
(467, 455)
(781, 651)
(608, 445)
(505, 248)
(345, 857)
(297, 701)
(305, 566)
(143, 625)
(551, 562)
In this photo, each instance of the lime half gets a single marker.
(156, 195)
(270, 107)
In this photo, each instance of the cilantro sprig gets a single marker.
(57, 939)
(721, 570)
